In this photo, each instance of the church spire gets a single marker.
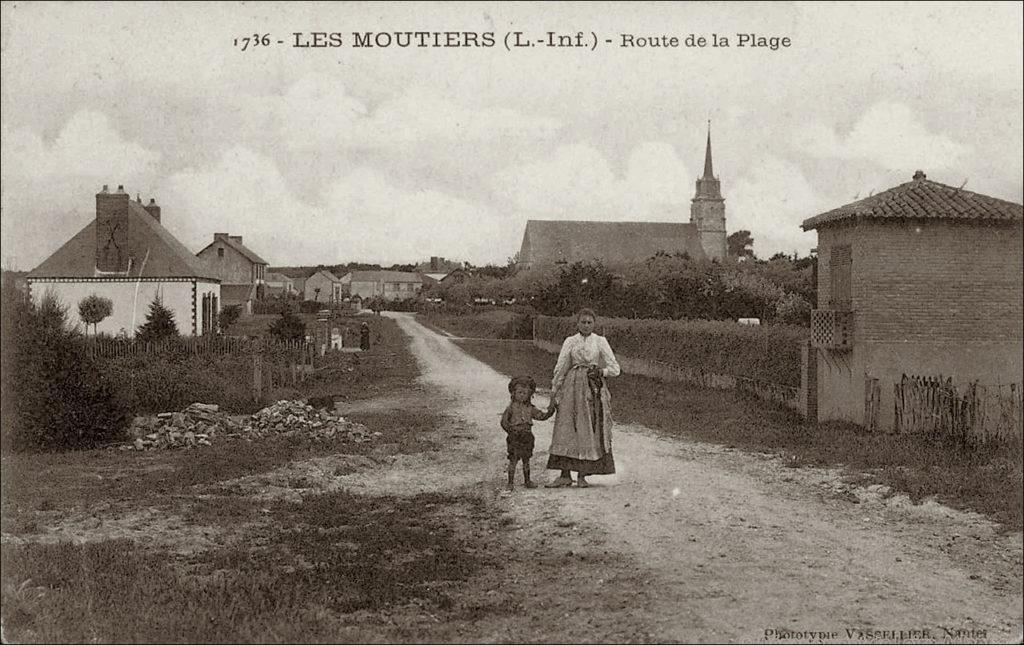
(708, 170)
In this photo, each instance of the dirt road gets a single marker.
(714, 545)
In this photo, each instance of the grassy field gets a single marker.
(986, 480)
(212, 561)
(485, 324)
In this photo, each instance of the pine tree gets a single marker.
(159, 323)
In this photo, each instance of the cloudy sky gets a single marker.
(324, 155)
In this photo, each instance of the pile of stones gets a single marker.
(194, 426)
(199, 423)
(296, 417)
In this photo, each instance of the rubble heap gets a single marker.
(193, 426)
(197, 424)
(296, 417)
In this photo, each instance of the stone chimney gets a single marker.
(153, 209)
(919, 175)
(112, 230)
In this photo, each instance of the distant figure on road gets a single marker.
(517, 422)
(364, 337)
(582, 438)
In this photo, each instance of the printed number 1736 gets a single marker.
(256, 40)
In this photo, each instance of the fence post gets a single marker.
(257, 375)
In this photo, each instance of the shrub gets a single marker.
(229, 316)
(54, 396)
(94, 309)
(288, 327)
(768, 353)
(159, 323)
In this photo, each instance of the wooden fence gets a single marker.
(970, 413)
(196, 346)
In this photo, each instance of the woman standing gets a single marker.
(582, 438)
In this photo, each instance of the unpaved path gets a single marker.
(725, 545)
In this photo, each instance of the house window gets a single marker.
(220, 251)
(840, 272)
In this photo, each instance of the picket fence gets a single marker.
(969, 413)
(196, 346)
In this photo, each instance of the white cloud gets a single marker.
(87, 146)
(422, 114)
(362, 216)
(578, 182)
(888, 134)
(245, 194)
(389, 224)
(770, 200)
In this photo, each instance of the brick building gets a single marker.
(921, 279)
(242, 273)
(125, 254)
(550, 242)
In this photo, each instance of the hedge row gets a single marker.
(768, 353)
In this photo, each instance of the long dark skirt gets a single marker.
(603, 466)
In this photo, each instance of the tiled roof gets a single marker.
(548, 242)
(238, 246)
(277, 277)
(923, 199)
(385, 276)
(157, 253)
(327, 274)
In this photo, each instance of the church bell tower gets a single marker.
(707, 210)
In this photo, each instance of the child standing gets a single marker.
(517, 421)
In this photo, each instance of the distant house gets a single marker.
(458, 276)
(550, 242)
(125, 254)
(238, 267)
(391, 285)
(921, 279)
(323, 286)
(278, 284)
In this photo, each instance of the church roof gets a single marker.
(157, 253)
(550, 242)
(922, 198)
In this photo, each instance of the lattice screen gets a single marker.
(831, 329)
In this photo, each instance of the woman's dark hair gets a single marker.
(586, 312)
(522, 380)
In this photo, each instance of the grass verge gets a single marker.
(986, 480)
(326, 569)
(332, 567)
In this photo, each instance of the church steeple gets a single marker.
(708, 187)
(707, 211)
(708, 169)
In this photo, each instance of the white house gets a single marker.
(125, 254)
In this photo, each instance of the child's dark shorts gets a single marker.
(520, 444)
